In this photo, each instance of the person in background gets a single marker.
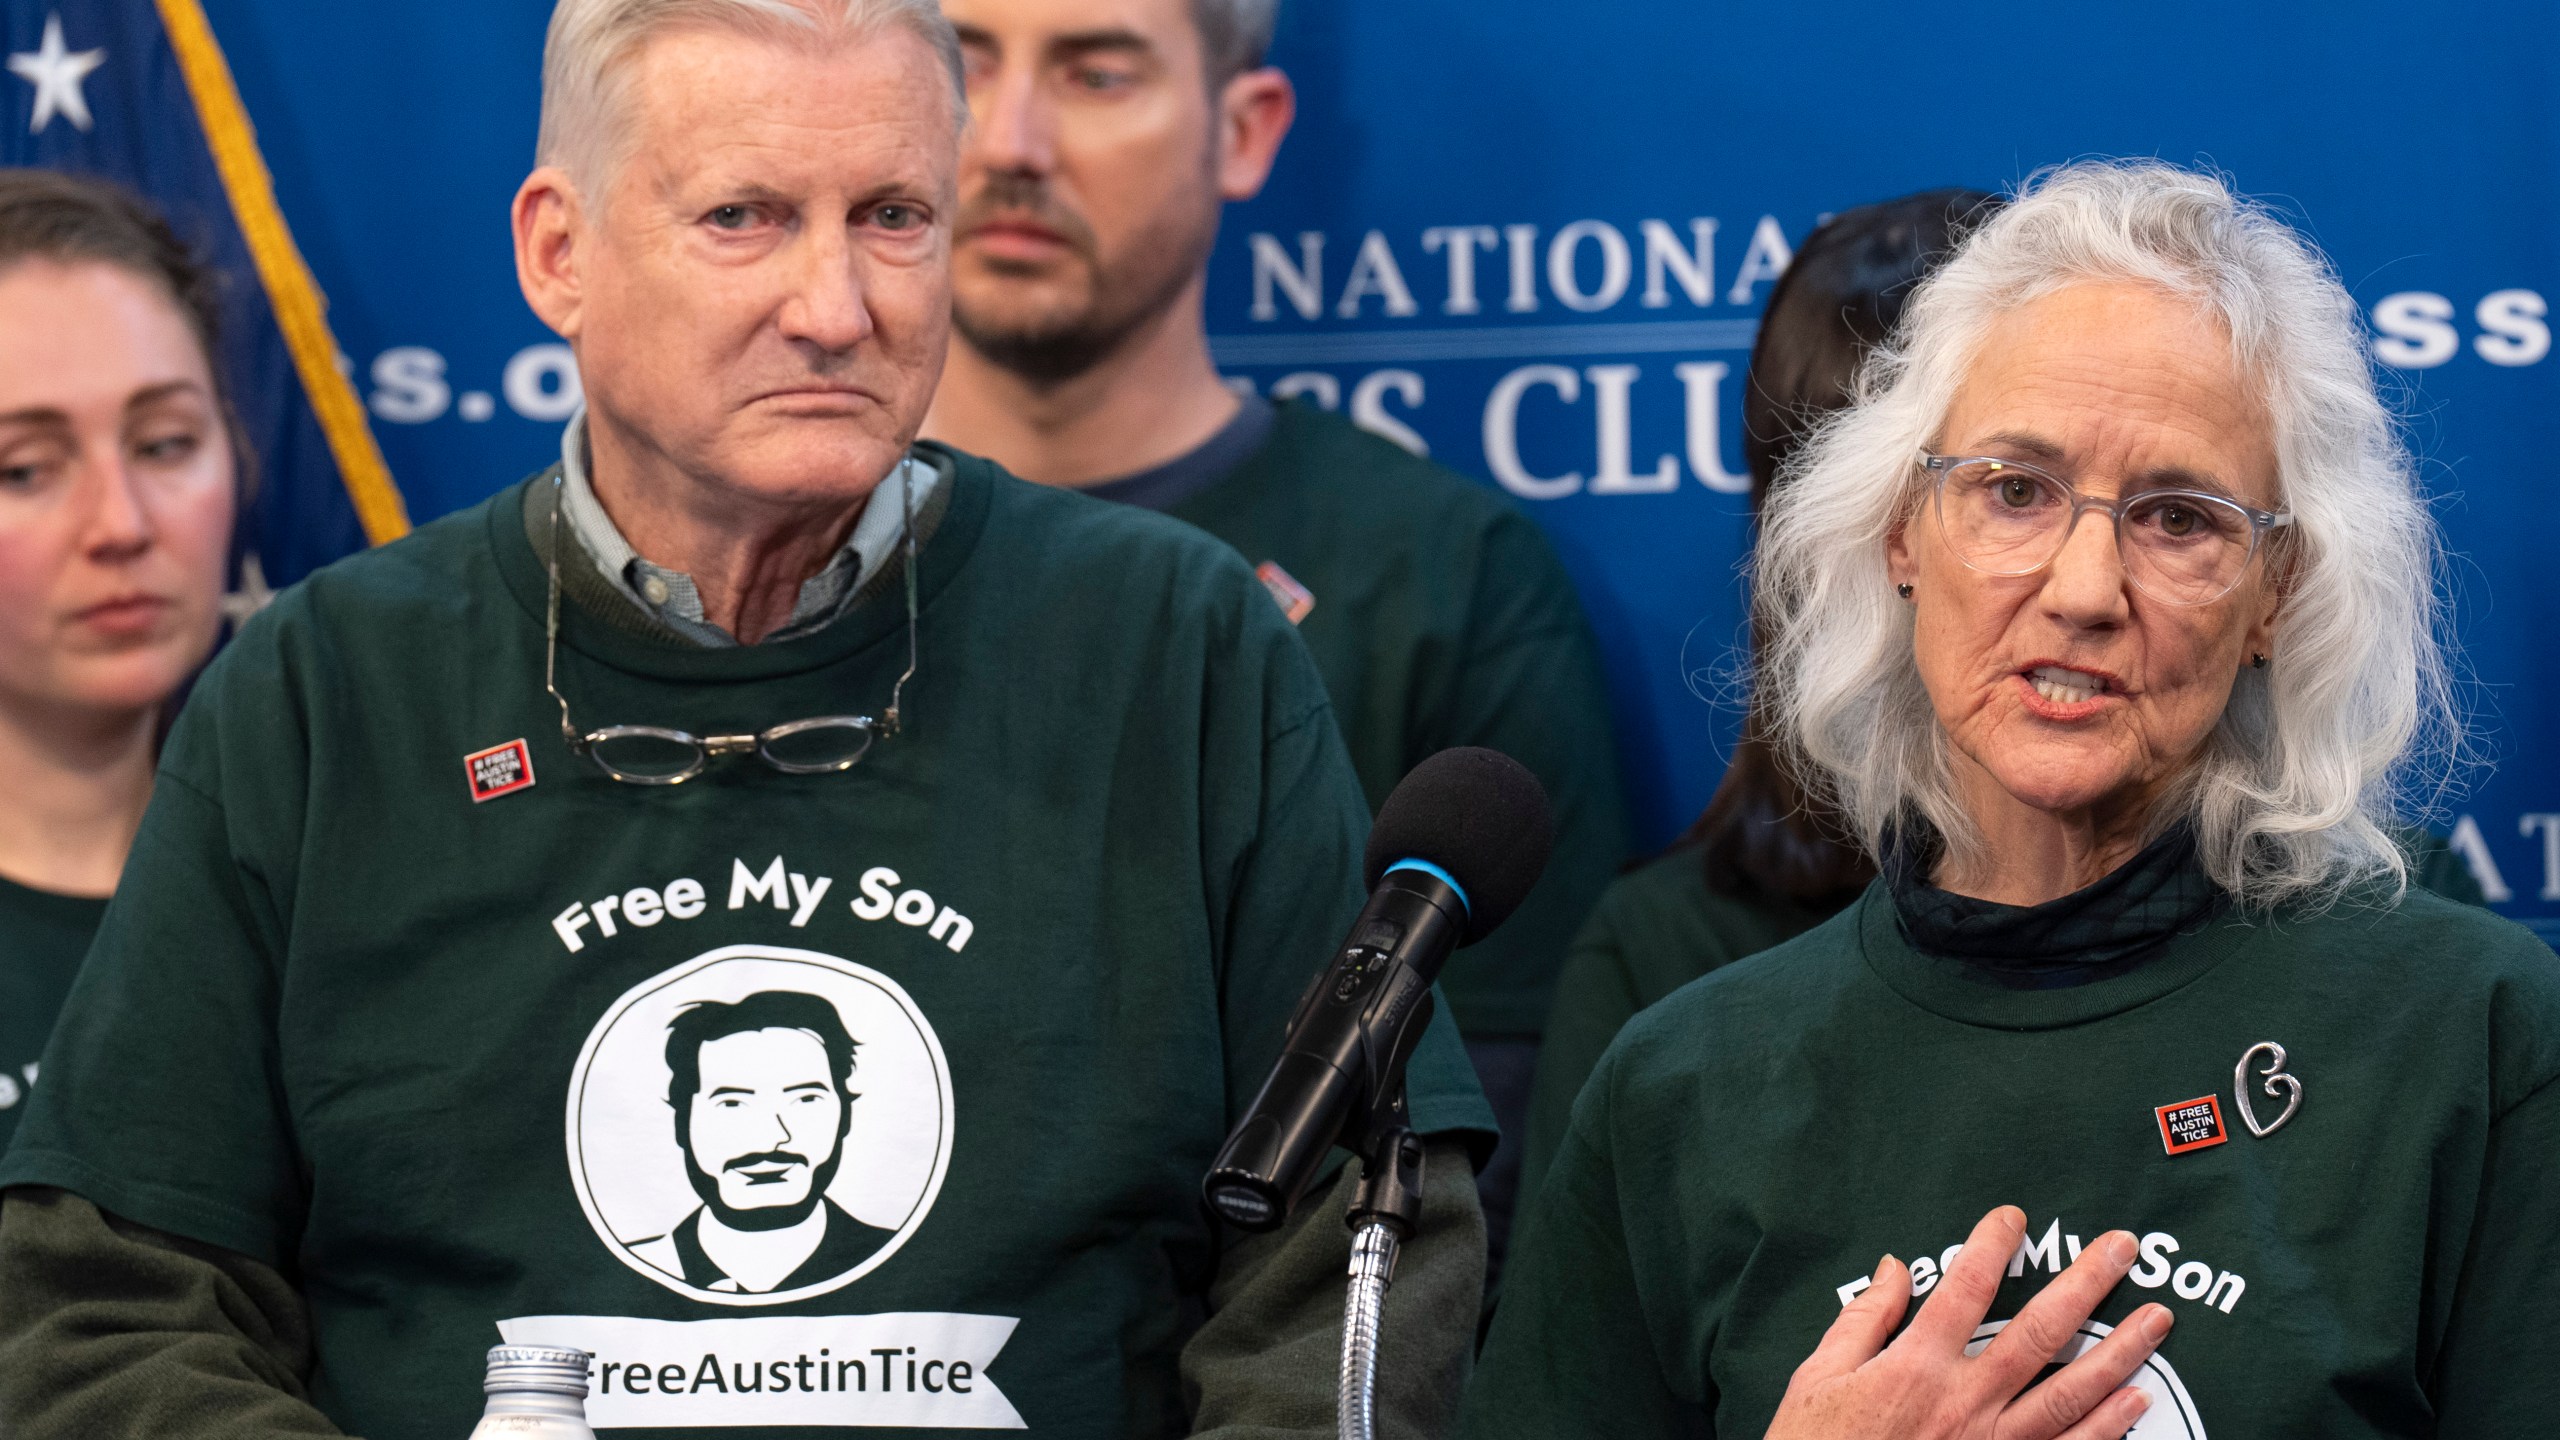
(2107, 620)
(1108, 135)
(1762, 864)
(119, 479)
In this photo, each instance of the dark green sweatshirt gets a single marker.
(1661, 925)
(1657, 928)
(1439, 616)
(2384, 1262)
(877, 1099)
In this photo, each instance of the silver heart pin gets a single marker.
(2274, 1075)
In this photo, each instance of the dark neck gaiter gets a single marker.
(2090, 934)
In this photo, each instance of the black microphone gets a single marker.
(1453, 853)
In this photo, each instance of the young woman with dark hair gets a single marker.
(119, 481)
(1762, 863)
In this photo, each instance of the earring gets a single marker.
(1904, 590)
(2257, 661)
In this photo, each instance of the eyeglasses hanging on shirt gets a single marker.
(657, 755)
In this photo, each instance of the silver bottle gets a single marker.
(536, 1392)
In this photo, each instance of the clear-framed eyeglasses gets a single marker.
(659, 755)
(2005, 517)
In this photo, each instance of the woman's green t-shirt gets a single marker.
(2385, 1262)
(42, 937)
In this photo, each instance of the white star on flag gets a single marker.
(253, 594)
(56, 73)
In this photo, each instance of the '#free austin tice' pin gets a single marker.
(1295, 600)
(2274, 1075)
(2190, 1124)
(498, 770)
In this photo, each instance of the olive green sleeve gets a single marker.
(1265, 1364)
(109, 1330)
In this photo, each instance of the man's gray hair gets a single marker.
(2349, 732)
(1235, 35)
(591, 42)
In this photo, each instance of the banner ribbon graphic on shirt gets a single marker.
(923, 1369)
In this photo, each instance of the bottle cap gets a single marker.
(543, 1369)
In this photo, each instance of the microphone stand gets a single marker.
(1386, 1211)
(1358, 1025)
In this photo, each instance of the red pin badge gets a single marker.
(499, 770)
(2191, 1124)
(1295, 600)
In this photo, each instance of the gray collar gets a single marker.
(671, 598)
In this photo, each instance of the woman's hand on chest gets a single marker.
(1864, 1383)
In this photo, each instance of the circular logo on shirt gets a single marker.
(2172, 1415)
(759, 1125)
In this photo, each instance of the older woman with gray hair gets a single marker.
(2107, 619)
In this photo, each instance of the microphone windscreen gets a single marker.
(1476, 813)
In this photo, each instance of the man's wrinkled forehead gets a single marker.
(774, 117)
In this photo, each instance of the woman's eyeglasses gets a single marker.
(2186, 547)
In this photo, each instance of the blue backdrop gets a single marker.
(1536, 243)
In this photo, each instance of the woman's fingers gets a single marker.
(1924, 1378)
(2086, 1389)
(2112, 1419)
(2053, 1317)
(1862, 1326)
(1955, 1309)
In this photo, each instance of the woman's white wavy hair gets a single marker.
(2318, 757)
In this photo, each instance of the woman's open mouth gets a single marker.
(2066, 687)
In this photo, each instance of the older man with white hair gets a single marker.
(908, 843)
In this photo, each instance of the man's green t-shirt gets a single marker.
(2384, 1262)
(42, 937)
(874, 1099)
(1439, 616)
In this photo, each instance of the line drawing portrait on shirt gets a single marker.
(759, 1125)
(762, 1095)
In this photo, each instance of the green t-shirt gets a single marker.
(2385, 1262)
(1661, 926)
(42, 937)
(569, 1062)
(1657, 928)
(1439, 616)
(2436, 865)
